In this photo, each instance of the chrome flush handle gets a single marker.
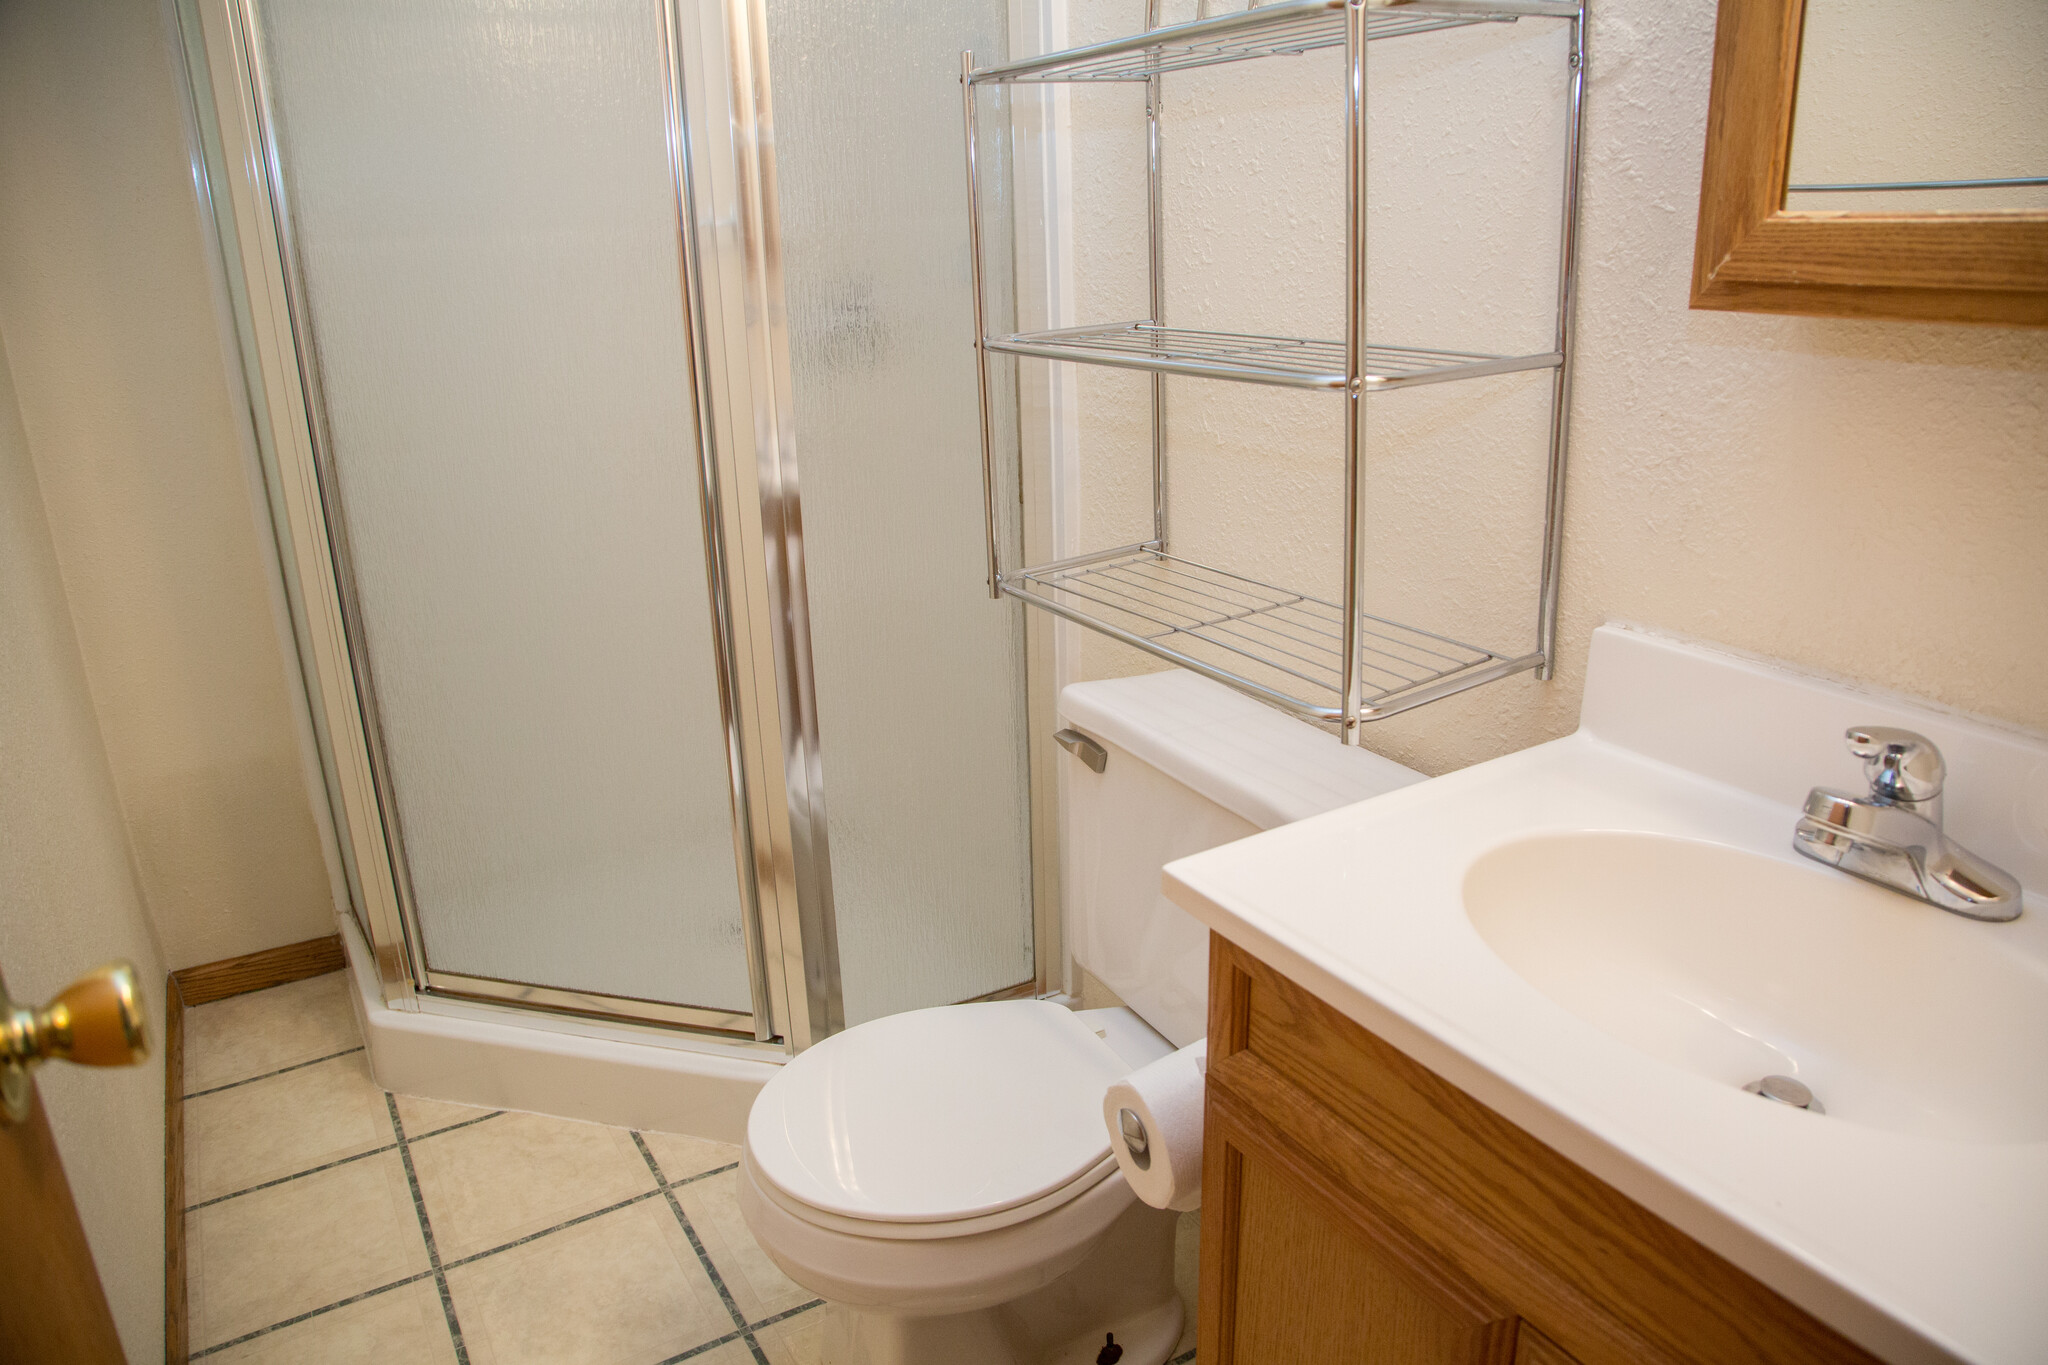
(1083, 748)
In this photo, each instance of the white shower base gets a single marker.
(502, 1058)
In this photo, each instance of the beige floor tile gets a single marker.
(422, 1117)
(260, 1258)
(757, 1286)
(282, 1125)
(403, 1326)
(250, 1035)
(519, 1174)
(798, 1340)
(624, 1289)
(682, 1157)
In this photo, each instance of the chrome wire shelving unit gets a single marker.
(1281, 30)
(1280, 646)
(1325, 661)
(1289, 362)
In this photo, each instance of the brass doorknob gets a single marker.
(97, 1021)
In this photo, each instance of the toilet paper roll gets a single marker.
(1159, 1145)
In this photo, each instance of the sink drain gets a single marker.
(1785, 1090)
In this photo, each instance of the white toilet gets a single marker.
(943, 1178)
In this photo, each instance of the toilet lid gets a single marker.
(939, 1114)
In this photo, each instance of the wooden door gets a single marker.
(52, 1309)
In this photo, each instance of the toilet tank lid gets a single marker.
(1248, 758)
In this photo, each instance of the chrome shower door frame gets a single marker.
(725, 170)
(720, 143)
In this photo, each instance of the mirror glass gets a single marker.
(1910, 107)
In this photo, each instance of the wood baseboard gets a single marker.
(202, 985)
(176, 1337)
(212, 981)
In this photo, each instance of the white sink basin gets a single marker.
(1736, 966)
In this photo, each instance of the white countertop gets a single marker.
(1918, 1248)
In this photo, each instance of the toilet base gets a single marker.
(1124, 1287)
(853, 1337)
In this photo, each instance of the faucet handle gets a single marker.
(1904, 768)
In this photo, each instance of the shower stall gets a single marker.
(625, 469)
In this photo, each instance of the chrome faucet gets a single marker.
(1893, 835)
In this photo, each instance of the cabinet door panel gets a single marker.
(1304, 1270)
(1533, 1348)
(1311, 1288)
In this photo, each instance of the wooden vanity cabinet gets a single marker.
(1357, 1209)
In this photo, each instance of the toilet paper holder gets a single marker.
(1135, 1140)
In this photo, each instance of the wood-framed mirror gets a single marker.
(1929, 125)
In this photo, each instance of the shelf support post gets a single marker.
(1561, 382)
(988, 453)
(1354, 360)
(1156, 279)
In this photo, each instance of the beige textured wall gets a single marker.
(69, 901)
(1864, 498)
(107, 311)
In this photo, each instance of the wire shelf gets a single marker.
(1285, 647)
(1289, 362)
(1266, 31)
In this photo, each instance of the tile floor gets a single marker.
(327, 1220)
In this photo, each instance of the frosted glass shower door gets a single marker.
(486, 225)
(919, 676)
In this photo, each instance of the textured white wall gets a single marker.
(69, 901)
(1859, 497)
(107, 311)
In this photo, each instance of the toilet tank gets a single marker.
(1192, 764)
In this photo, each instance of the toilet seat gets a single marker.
(954, 1271)
(938, 1123)
(900, 1231)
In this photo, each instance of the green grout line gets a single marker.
(251, 1080)
(437, 1271)
(419, 1206)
